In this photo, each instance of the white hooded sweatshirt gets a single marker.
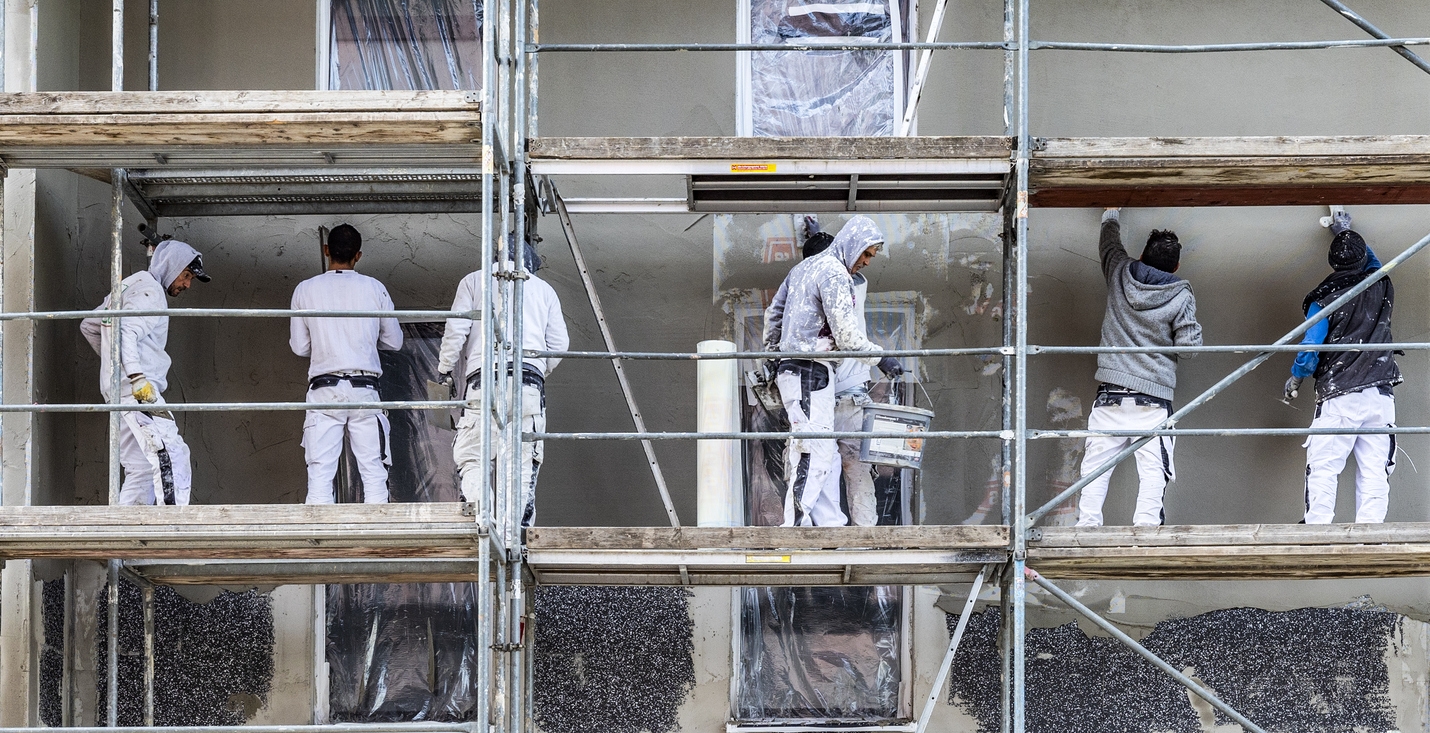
(820, 311)
(142, 339)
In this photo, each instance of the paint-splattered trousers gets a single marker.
(467, 449)
(1155, 466)
(807, 390)
(1375, 455)
(858, 476)
(155, 458)
(367, 433)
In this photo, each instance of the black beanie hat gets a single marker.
(1348, 251)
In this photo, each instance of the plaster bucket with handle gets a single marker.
(903, 452)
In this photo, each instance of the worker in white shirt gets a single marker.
(151, 451)
(543, 329)
(344, 368)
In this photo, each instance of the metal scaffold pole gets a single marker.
(485, 516)
(1019, 538)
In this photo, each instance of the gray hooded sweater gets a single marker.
(815, 309)
(1145, 307)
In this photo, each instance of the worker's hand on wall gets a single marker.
(891, 367)
(1340, 222)
(1293, 388)
(1111, 213)
(142, 389)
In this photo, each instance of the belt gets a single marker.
(529, 377)
(331, 380)
(1111, 395)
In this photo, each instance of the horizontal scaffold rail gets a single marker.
(222, 129)
(1232, 551)
(1063, 172)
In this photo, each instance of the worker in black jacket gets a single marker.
(1353, 388)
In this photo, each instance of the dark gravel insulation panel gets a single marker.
(213, 661)
(1301, 671)
(612, 659)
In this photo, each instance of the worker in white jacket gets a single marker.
(543, 329)
(151, 451)
(344, 367)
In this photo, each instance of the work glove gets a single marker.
(891, 367)
(1340, 222)
(770, 368)
(1111, 214)
(1293, 387)
(445, 379)
(142, 389)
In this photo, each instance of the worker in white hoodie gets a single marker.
(543, 329)
(151, 451)
(821, 313)
(344, 367)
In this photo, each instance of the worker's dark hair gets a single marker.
(344, 243)
(816, 243)
(1163, 251)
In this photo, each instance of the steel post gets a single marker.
(153, 45)
(1156, 661)
(116, 47)
(111, 635)
(1019, 539)
(148, 590)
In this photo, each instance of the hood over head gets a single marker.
(858, 234)
(171, 258)
(1147, 287)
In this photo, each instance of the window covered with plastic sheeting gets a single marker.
(405, 651)
(816, 92)
(405, 44)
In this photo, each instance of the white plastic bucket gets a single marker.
(902, 452)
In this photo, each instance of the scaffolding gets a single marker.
(225, 153)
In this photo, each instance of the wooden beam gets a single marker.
(1194, 535)
(766, 538)
(763, 148)
(233, 102)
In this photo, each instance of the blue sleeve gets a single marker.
(1306, 361)
(1373, 263)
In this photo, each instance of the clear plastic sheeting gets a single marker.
(832, 92)
(405, 651)
(405, 44)
(820, 655)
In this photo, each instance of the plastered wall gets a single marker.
(1249, 267)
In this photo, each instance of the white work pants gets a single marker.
(858, 476)
(467, 450)
(809, 402)
(1155, 467)
(155, 460)
(1375, 456)
(367, 433)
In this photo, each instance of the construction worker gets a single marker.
(820, 313)
(344, 367)
(543, 329)
(151, 451)
(1147, 305)
(851, 393)
(1353, 388)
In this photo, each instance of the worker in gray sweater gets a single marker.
(1147, 306)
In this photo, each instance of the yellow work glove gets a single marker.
(143, 390)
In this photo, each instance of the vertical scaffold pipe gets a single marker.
(1020, 396)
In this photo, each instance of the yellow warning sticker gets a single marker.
(752, 167)
(767, 558)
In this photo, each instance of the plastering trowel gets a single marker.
(1335, 209)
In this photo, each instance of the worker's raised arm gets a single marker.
(455, 333)
(557, 339)
(775, 317)
(389, 331)
(836, 295)
(1109, 245)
